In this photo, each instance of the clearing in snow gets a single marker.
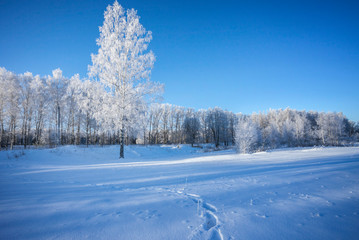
(170, 192)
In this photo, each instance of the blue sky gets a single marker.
(243, 56)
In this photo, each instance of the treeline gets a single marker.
(168, 124)
(292, 128)
(55, 110)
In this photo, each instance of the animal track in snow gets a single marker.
(209, 207)
(211, 224)
(211, 220)
(216, 235)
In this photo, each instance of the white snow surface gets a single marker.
(170, 192)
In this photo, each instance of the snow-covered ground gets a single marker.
(164, 192)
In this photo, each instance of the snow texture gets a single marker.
(170, 192)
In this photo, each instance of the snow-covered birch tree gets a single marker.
(26, 101)
(57, 85)
(41, 92)
(123, 65)
(247, 135)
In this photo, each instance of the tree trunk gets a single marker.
(78, 135)
(73, 129)
(87, 129)
(144, 137)
(58, 125)
(24, 133)
(13, 132)
(28, 139)
(122, 155)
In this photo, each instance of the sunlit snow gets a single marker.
(179, 192)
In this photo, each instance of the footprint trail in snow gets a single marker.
(210, 228)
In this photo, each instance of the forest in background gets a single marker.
(55, 110)
(119, 104)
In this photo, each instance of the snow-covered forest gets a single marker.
(118, 104)
(183, 176)
(55, 110)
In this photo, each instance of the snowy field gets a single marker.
(164, 192)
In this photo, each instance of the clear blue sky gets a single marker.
(243, 56)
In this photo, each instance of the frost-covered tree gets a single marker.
(301, 128)
(40, 92)
(155, 115)
(123, 65)
(26, 101)
(204, 131)
(57, 85)
(57, 110)
(331, 128)
(10, 105)
(247, 135)
(7, 79)
(191, 128)
(76, 95)
(217, 120)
